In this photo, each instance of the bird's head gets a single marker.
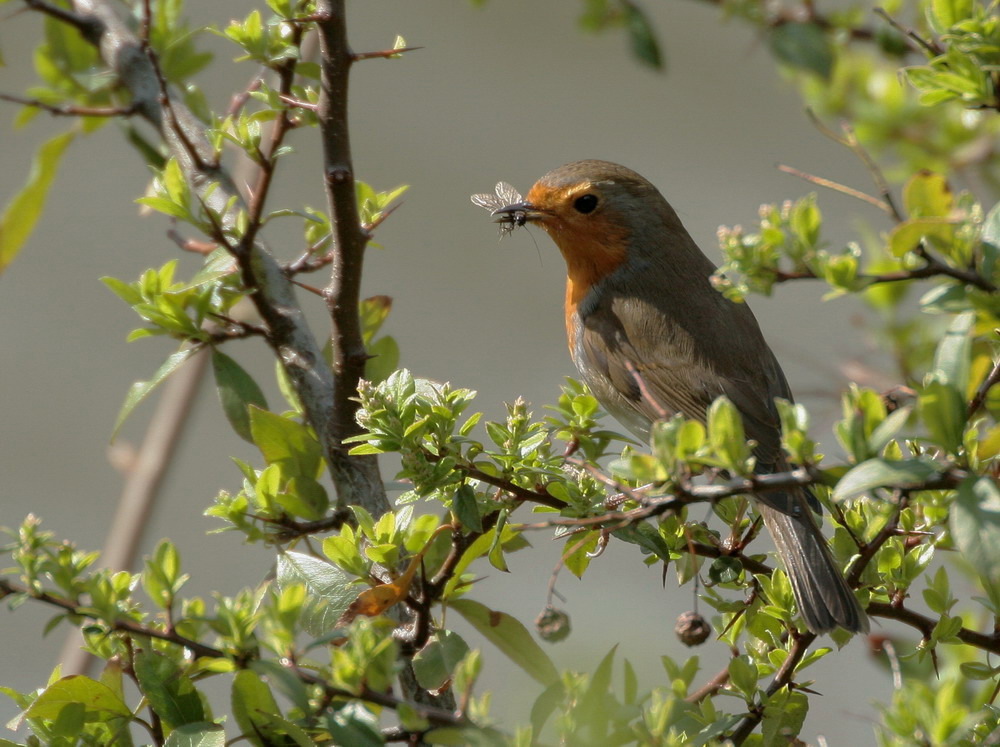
(598, 213)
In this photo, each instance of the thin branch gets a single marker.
(124, 625)
(711, 687)
(837, 187)
(869, 550)
(437, 716)
(933, 268)
(849, 139)
(89, 27)
(71, 110)
(783, 678)
(966, 276)
(807, 13)
(280, 128)
(929, 46)
(294, 529)
(522, 494)
(298, 103)
(356, 477)
(193, 245)
(240, 100)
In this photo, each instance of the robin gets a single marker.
(649, 334)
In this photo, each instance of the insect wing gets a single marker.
(487, 202)
(507, 195)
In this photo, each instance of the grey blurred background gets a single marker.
(507, 92)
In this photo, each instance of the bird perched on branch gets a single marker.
(652, 337)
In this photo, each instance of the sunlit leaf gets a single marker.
(142, 389)
(876, 473)
(23, 211)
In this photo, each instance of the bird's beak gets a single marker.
(518, 212)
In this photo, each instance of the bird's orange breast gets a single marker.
(590, 257)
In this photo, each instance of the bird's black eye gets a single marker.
(585, 203)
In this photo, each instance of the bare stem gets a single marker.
(356, 477)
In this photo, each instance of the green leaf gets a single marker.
(578, 552)
(99, 700)
(170, 692)
(595, 699)
(947, 13)
(435, 663)
(354, 725)
(373, 312)
(546, 703)
(511, 637)
(141, 389)
(237, 391)
(784, 714)
(466, 509)
(479, 547)
(743, 674)
(330, 590)
(218, 264)
(927, 195)
(252, 702)
(284, 680)
(22, 212)
(726, 434)
(285, 442)
(954, 352)
(646, 536)
(876, 473)
(383, 360)
(495, 554)
(197, 735)
(975, 525)
(943, 411)
(643, 40)
(906, 236)
(803, 46)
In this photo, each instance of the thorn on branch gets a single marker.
(192, 245)
(385, 54)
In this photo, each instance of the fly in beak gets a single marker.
(517, 213)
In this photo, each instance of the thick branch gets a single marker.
(986, 641)
(356, 477)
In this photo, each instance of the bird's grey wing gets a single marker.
(670, 373)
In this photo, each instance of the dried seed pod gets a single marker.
(692, 629)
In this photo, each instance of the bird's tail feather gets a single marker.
(824, 598)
